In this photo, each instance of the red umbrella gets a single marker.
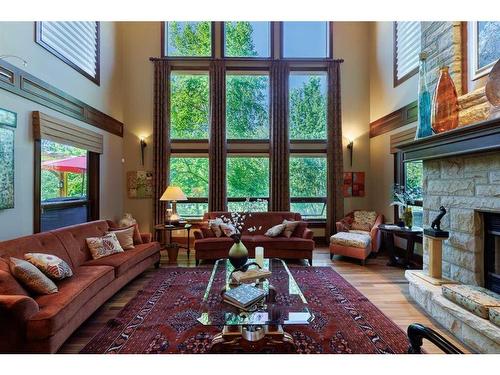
(74, 164)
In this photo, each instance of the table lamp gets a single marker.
(173, 194)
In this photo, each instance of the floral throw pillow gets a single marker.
(103, 246)
(31, 277)
(275, 231)
(125, 236)
(289, 227)
(365, 217)
(228, 229)
(358, 226)
(52, 266)
(214, 226)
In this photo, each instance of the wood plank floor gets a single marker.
(386, 287)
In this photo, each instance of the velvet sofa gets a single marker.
(299, 246)
(41, 323)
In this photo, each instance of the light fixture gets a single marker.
(350, 147)
(143, 146)
(173, 194)
(3, 57)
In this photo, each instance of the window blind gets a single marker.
(76, 43)
(407, 48)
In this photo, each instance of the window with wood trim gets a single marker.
(77, 43)
(406, 50)
(235, 107)
(410, 175)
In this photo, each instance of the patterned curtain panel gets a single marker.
(161, 159)
(335, 206)
(217, 143)
(280, 195)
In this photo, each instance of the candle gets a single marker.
(259, 256)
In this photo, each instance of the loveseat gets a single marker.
(41, 323)
(299, 246)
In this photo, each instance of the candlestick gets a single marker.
(259, 256)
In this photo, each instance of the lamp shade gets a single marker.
(173, 193)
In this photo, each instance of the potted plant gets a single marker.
(404, 198)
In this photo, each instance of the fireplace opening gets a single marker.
(492, 251)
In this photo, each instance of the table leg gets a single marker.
(389, 240)
(410, 248)
(188, 250)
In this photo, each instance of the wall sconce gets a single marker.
(350, 147)
(143, 146)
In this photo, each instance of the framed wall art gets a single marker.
(354, 184)
(140, 184)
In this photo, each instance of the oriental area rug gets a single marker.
(162, 318)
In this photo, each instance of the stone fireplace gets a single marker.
(462, 173)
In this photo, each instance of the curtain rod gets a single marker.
(154, 59)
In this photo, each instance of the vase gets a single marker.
(445, 103)
(408, 217)
(238, 254)
(424, 101)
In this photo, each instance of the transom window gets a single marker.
(247, 39)
(188, 39)
(305, 40)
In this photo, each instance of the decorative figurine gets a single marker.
(435, 229)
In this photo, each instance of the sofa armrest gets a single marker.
(308, 234)
(198, 234)
(146, 237)
(375, 234)
(18, 306)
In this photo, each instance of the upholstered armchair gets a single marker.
(345, 224)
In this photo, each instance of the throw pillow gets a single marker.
(289, 227)
(31, 277)
(52, 266)
(125, 236)
(228, 229)
(214, 226)
(103, 246)
(365, 217)
(137, 232)
(276, 230)
(359, 226)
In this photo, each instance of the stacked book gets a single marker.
(250, 275)
(244, 296)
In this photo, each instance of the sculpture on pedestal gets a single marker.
(435, 229)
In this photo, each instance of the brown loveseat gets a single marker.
(41, 323)
(299, 246)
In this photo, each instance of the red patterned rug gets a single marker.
(162, 317)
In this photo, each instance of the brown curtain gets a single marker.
(279, 174)
(161, 159)
(217, 143)
(335, 167)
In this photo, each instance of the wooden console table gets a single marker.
(411, 235)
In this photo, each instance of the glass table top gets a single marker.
(284, 304)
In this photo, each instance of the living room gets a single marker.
(296, 183)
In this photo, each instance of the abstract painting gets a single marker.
(140, 184)
(354, 184)
(8, 121)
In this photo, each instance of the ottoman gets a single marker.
(350, 244)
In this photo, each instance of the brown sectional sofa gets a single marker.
(41, 324)
(299, 246)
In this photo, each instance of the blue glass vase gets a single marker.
(424, 101)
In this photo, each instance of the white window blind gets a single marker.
(76, 43)
(407, 48)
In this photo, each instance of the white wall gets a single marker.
(17, 38)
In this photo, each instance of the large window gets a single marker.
(189, 105)
(76, 43)
(63, 185)
(305, 40)
(483, 48)
(247, 39)
(406, 50)
(247, 180)
(413, 179)
(191, 175)
(308, 105)
(187, 39)
(247, 106)
(308, 186)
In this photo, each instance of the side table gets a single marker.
(411, 235)
(173, 247)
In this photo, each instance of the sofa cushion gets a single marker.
(125, 236)
(52, 266)
(365, 217)
(275, 231)
(282, 243)
(104, 246)
(122, 262)
(351, 239)
(137, 233)
(73, 238)
(31, 277)
(476, 299)
(57, 309)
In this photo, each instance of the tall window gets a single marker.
(191, 175)
(406, 50)
(187, 39)
(76, 43)
(63, 185)
(247, 39)
(308, 186)
(247, 180)
(413, 179)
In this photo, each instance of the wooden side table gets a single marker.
(411, 235)
(172, 247)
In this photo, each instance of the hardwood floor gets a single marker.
(386, 287)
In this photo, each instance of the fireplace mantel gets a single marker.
(483, 136)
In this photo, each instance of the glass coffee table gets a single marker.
(260, 329)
